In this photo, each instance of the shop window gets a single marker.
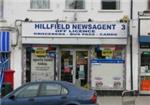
(145, 61)
(40, 4)
(75, 4)
(1, 9)
(40, 63)
(110, 4)
(110, 52)
(145, 58)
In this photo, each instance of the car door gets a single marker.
(23, 96)
(51, 94)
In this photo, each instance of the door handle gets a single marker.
(31, 99)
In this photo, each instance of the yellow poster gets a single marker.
(40, 52)
(107, 53)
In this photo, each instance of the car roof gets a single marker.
(55, 81)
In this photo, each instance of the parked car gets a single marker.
(50, 93)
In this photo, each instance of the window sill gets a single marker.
(46, 10)
(2, 20)
(75, 10)
(111, 11)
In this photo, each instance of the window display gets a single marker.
(108, 67)
(145, 71)
(40, 63)
(110, 52)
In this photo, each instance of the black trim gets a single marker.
(131, 10)
(131, 57)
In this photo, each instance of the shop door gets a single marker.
(74, 66)
(81, 77)
(67, 66)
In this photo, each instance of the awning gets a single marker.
(144, 39)
(4, 41)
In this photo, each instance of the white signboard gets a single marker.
(42, 68)
(64, 29)
(107, 76)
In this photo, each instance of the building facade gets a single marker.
(141, 23)
(85, 42)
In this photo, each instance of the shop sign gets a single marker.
(97, 61)
(64, 29)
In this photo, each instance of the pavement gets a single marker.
(117, 100)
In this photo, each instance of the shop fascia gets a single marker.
(66, 29)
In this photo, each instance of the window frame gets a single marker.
(148, 5)
(72, 9)
(61, 87)
(25, 87)
(118, 6)
(40, 9)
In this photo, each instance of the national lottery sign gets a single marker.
(64, 29)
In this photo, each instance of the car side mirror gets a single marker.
(12, 97)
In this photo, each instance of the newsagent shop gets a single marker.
(87, 54)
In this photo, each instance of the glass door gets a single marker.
(67, 66)
(81, 77)
(74, 66)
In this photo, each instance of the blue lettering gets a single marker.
(67, 26)
(74, 26)
(37, 26)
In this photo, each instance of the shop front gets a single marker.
(109, 67)
(79, 53)
(144, 54)
(144, 64)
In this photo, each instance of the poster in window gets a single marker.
(42, 68)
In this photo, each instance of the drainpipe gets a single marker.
(131, 62)
(75, 7)
(131, 53)
(131, 10)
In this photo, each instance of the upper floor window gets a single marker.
(110, 4)
(148, 4)
(40, 4)
(1, 9)
(75, 4)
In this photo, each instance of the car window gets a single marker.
(27, 91)
(50, 89)
(64, 91)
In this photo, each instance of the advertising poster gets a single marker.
(42, 67)
(107, 76)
